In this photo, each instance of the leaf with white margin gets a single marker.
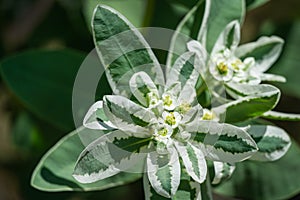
(194, 161)
(187, 28)
(186, 70)
(164, 172)
(215, 21)
(229, 38)
(272, 78)
(109, 155)
(188, 189)
(222, 142)
(252, 101)
(265, 51)
(141, 85)
(127, 115)
(222, 171)
(281, 116)
(272, 142)
(122, 50)
(96, 118)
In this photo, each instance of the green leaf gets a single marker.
(123, 50)
(272, 142)
(127, 115)
(188, 28)
(54, 171)
(252, 4)
(44, 78)
(281, 116)
(134, 10)
(265, 51)
(265, 181)
(253, 101)
(109, 155)
(288, 64)
(164, 172)
(193, 160)
(218, 14)
(222, 142)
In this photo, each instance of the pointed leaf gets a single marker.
(194, 161)
(222, 171)
(96, 118)
(253, 101)
(272, 77)
(272, 142)
(186, 70)
(222, 142)
(54, 171)
(265, 51)
(127, 115)
(164, 172)
(229, 38)
(109, 155)
(122, 49)
(281, 116)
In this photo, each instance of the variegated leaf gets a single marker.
(252, 101)
(222, 142)
(122, 50)
(164, 172)
(281, 116)
(272, 142)
(272, 78)
(222, 171)
(127, 115)
(265, 51)
(229, 38)
(188, 189)
(188, 28)
(193, 160)
(96, 118)
(186, 70)
(109, 155)
(141, 85)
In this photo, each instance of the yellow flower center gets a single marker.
(184, 108)
(208, 115)
(167, 100)
(222, 68)
(170, 119)
(163, 132)
(236, 64)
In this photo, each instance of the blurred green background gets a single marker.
(43, 43)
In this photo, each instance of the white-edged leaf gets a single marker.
(222, 171)
(96, 118)
(222, 142)
(122, 50)
(194, 161)
(273, 142)
(186, 70)
(272, 78)
(164, 172)
(186, 30)
(229, 38)
(127, 115)
(265, 51)
(252, 101)
(109, 155)
(141, 85)
(281, 116)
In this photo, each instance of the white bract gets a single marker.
(228, 62)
